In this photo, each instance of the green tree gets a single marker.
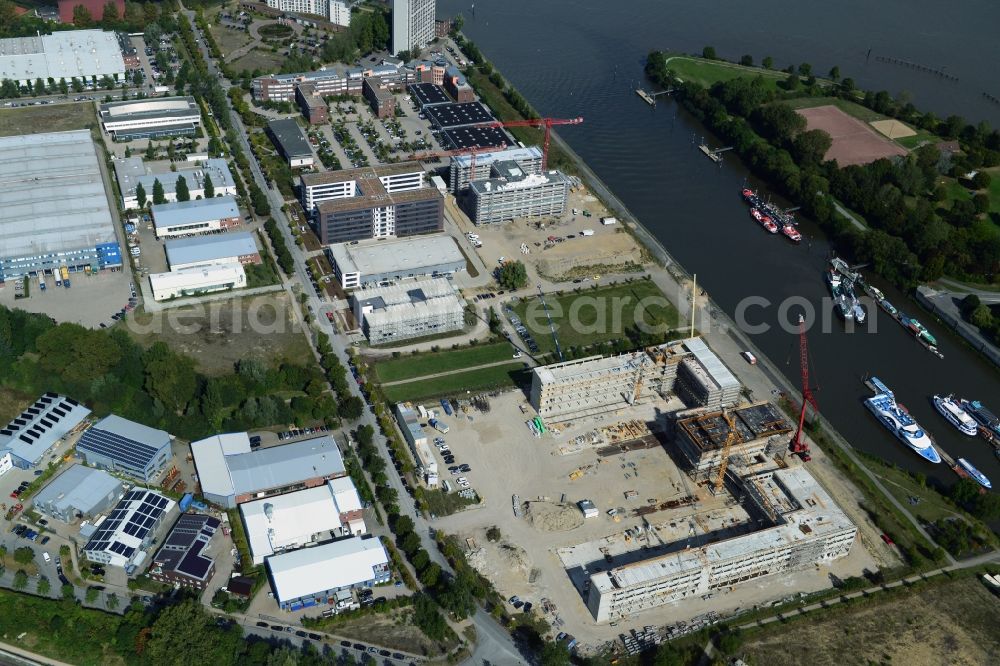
(63, 87)
(68, 591)
(91, 595)
(82, 17)
(351, 408)
(112, 601)
(24, 555)
(747, 60)
(554, 654)
(708, 53)
(185, 634)
(170, 378)
(981, 317)
(182, 189)
(20, 580)
(140, 195)
(39, 87)
(810, 146)
(150, 151)
(835, 73)
(109, 18)
(158, 196)
(512, 275)
(209, 186)
(44, 586)
(767, 62)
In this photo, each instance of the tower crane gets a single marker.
(799, 447)
(720, 476)
(471, 150)
(546, 123)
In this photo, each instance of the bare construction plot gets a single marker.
(854, 142)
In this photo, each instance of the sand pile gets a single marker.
(510, 559)
(550, 517)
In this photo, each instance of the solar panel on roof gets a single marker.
(45, 422)
(34, 411)
(26, 439)
(71, 401)
(19, 421)
(6, 431)
(59, 412)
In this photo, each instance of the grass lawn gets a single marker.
(500, 376)
(709, 72)
(430, 363)
(595, 315)
(958, 191)
(258, 58)
(932, 506)
(228, 39)
(48, 118)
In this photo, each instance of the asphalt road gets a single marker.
(493, 642)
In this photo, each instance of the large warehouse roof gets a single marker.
(131, 171)
(146, 109)
(290, 520)
(291, 140)
(206, 249)
(61, 55)
(52, 196)
(226, 466)
(38, 427)
(331, 566)
(192, 212)
(400, 256)
(79, 488)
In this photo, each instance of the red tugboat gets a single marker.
(789, 230)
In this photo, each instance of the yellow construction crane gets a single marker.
(726, 448)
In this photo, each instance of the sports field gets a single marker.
(854, 142)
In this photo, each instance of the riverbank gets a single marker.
(723, 335)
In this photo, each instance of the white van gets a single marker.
(45, 556)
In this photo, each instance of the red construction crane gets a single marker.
(547, 123)
(799, 447)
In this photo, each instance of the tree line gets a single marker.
(913, 235)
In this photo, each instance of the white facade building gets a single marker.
(409, 310)
(132, 171)
(162, 116)
(412, 24)
(808, 529)
(336, 11)
(197, 280)
(312, 576)
(295, 520)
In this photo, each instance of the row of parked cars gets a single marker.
(26, 532)
(298, 432)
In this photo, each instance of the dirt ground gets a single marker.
(537, 555)
(893, 128)
(853, 141)
(220, 333)
(952, 623)
(393, 630)
(47, 118)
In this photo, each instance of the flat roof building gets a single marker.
(372, 202)
(460, 171)
(804, 528)
(704, 380)
(197, 280)
(124, 446)
(132, 171)
(197, 216)
(412, 24)
(32, 433)
(295, 520)
(291, 142)
(313, 106)
(377, 261)
(514, 193)
(79, 492)
(428, 94)
(312, 576)
(230, 473)
(121, 539)
(63, 55)
(236, 247)
(150, 118)
(380, 97)
(54, 211)
(457, 138)
(413, 433)
(458, 114)
(410, 310)
(183, 558)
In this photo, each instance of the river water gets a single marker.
(585, 58)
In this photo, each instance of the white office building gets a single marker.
(150, 118)
(461, 167)
(62, 56)
(410, 310)
(121, 539)
(412, 24)
(195, 216)
(337, 12)
(196, 281)
(371, 262)
(132, 171)
(515, 193)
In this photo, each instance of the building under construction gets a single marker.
(746, 431)
(801, 527)
(598, 384)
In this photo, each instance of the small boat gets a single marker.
(899, 422)
(919, 330)
(748, 194)
(988, 422)
(859, 313)
(889, 307)
(974, 473)
(789, 230)
(756, 214)
(950, 409)
(769, 224)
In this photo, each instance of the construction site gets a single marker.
(673, 503)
